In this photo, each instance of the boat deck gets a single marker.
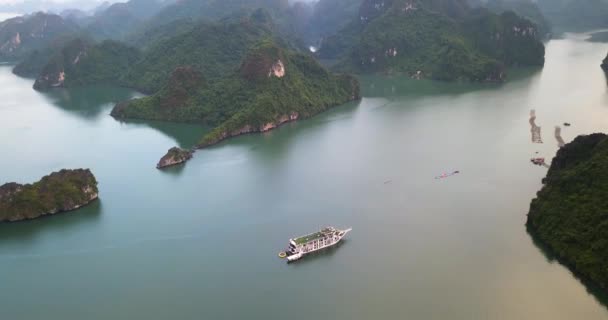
(313, 236)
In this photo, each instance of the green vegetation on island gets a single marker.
(174, 157)
(523, 8)
(444, 40)
(61, 191)
(570, 212)
(121, 18)
(34, 62)
(22, 35)
(215, 49)
(330, 16)
(81, 62)
(273, 85)
(212, 10)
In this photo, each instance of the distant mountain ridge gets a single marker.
(524, 8)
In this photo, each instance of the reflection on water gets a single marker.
(23, 232)
(402, 85)
(175, 171)
(600, 295)
(90, 101)
(534, 129)
(187, 135)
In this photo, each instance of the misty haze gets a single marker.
(323, 159)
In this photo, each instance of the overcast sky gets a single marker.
(11, 8)
(27, 6)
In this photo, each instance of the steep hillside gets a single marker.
(119, 19)
(605, 64)
(22, 35)
(216, 49)
(331, 16)
(81, 62)
(438, 39)
(570, 212)
(524, 8)
(509, 38)
(34, 62)
(147, 37)
(272, 86)
(212, 10)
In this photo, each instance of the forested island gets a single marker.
(244, 66)
(22, 35)
(443, 40)
(61, 191)
(570, 212)
(272, 86)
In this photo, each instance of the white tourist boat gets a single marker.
(301, 246)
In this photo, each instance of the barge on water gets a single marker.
(301, 246)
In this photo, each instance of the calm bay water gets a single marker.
(200, 241)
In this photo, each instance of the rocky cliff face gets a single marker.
(174, 157)
(249, 128)
(605, 64)
(61, 191)
(264, 63)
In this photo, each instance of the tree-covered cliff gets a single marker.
(61, 191)
(121, 18)
(21, 35)
(524, 8)
(34, 62)
(216, 49)
(211, 10)
(82, 62)
(330, 16)
(438, 39)
(273, 85)
(570, 212)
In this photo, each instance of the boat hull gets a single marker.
(298, 252)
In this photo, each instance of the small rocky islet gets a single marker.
(174, 157)
(61, 191)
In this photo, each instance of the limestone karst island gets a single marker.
(307, 159)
